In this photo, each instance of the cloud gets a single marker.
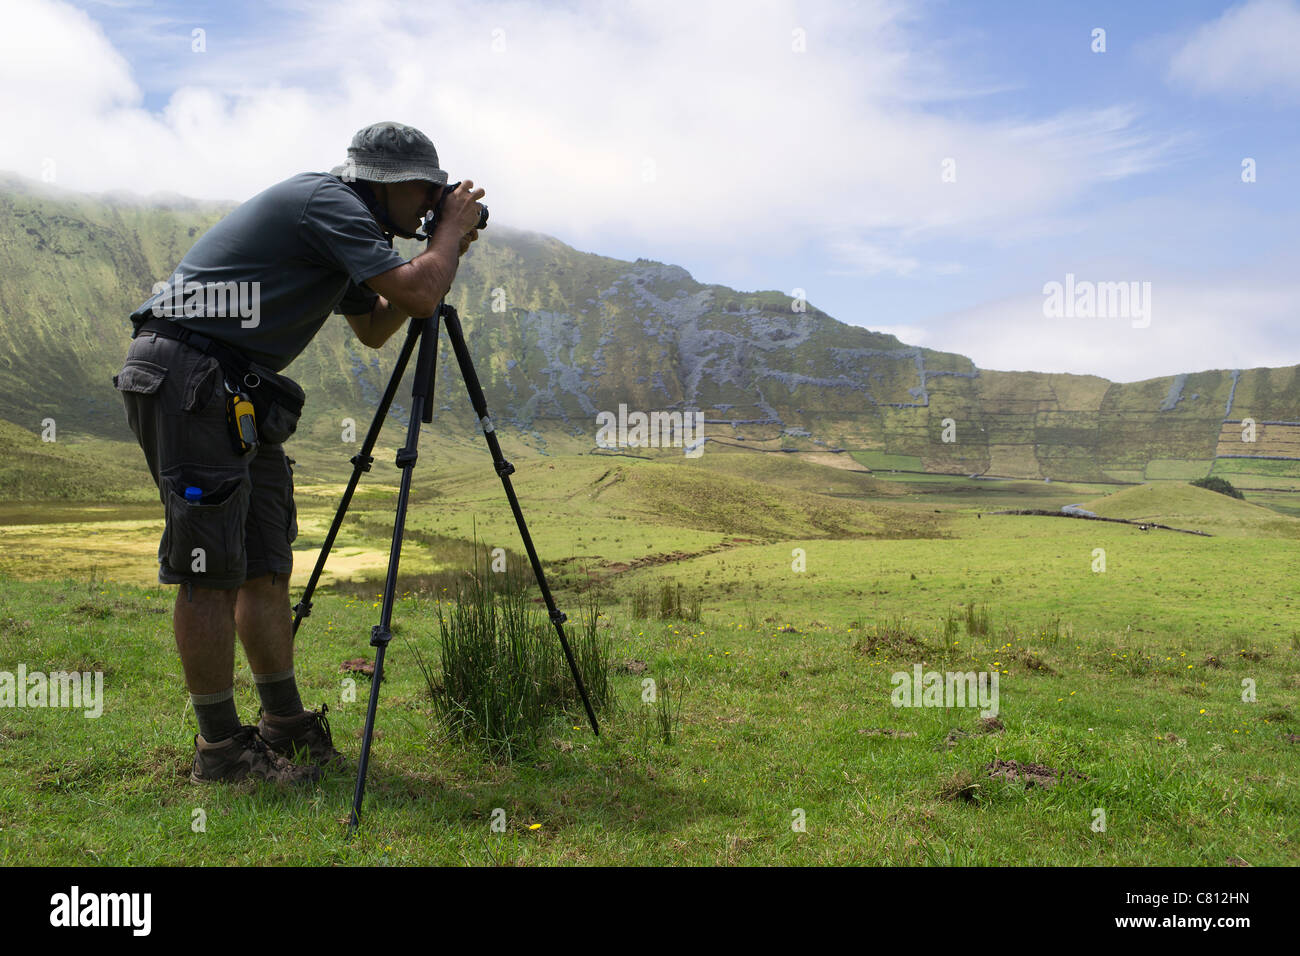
(763, 126)
(1249, 50)
(1241, 321)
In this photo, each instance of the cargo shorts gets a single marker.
(243, 525)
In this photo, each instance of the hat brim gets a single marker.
(380, 172)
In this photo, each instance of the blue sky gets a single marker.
(762, 145)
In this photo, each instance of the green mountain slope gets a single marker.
(559, 335)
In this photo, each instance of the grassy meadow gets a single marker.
(1123, 656)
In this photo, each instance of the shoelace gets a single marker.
(257, 743)
(323, 722)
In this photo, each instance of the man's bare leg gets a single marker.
(204, 622)
(264, 623)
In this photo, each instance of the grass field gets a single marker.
(1124, 685)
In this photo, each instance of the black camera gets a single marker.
(431, 217)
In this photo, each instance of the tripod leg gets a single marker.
(381, 633)
(361, 462)
(505, 469)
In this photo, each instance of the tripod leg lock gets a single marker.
(406, 457)
(302, 608)
(362, 461)
(504, 468)
(380, 636)
(558, 616)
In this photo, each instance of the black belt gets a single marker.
(233, 362)
(264, 384)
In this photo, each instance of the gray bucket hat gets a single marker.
(391, 153)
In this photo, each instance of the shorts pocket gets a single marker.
(205, 536)
(139, 377)
(202, 384)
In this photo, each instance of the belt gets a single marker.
(233, 362)
(264, 385)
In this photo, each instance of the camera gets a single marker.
(431, 217)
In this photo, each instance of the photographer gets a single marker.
(205, 398)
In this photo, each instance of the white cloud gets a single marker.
(1251, 49)
(655, 120)
(1238, 321)
(867, 259)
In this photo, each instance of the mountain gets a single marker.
(560, 335)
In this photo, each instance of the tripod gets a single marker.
(425, 332)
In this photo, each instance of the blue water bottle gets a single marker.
(193, 494)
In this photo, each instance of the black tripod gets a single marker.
(425, 332)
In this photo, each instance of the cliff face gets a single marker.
(559, 335)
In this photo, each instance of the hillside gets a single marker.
(559, 335)
(1184, 506)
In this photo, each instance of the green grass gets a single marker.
(883, 461)
(1158, 468)
(1131, 679)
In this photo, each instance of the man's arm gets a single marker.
(386, 317)
(376, 328)
(416, 287)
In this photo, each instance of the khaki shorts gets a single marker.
(245, 522)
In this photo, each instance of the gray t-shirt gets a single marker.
(265, 278)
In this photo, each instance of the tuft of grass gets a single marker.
(672, 607)
(951, 627)
(503, 673)
(977, 620)
(641, 602)
(668, 711)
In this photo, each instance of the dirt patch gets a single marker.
(1030, 774)
(960, 786)
(954, 737)
(991, 725)
(1033, 662)
(631, 666)
(1174, 739)
(891, 637)
(886, 732)
(358, 665)
(1212, 661)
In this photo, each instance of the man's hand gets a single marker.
(416, 287)
(460, 212)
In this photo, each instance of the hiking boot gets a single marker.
(306, 734)
(242, 756)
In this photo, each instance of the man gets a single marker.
(210, 342)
